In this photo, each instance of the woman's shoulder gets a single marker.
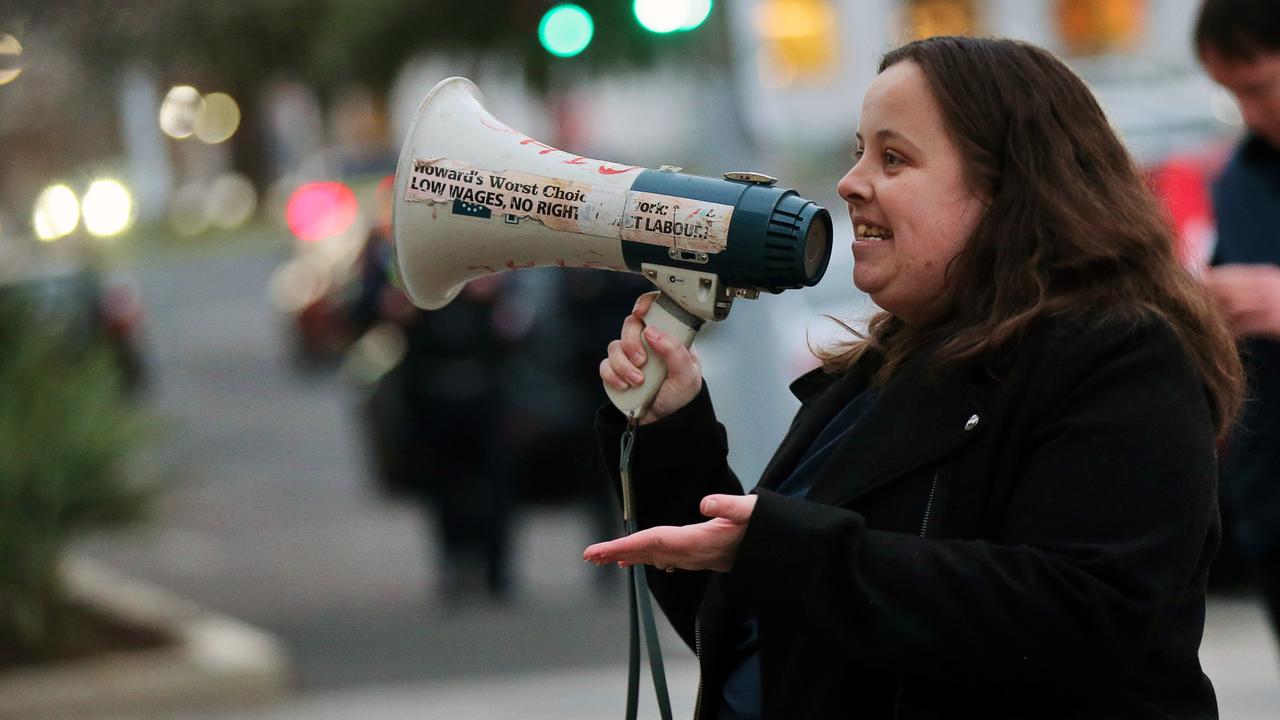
(1088, 331)
(1077, 338)
(1064, 351)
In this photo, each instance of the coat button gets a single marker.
(972, 423)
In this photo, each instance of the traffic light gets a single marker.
(667, 16)
(926, 18)
(1089, 27)
(797, 40)
(566, 30)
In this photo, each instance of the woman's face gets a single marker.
(911, 207)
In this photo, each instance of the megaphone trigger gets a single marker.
(666, 315)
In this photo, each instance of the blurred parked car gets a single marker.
(316, 286)
(79, 303)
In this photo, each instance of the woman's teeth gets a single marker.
(872, 232)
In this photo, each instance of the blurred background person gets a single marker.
(1238, 42)
(440, 418)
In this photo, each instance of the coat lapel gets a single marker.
(821, 396)
(915, 421)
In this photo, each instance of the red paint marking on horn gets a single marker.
(606, 170)
(548, 148)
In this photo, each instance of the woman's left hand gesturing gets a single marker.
(710, 545)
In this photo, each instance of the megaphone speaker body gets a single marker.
(474, 197)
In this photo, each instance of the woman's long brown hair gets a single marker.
(1070, 224)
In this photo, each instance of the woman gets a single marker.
(1000, 501)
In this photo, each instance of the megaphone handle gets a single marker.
(676, 322)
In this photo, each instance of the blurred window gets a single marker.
(1091, 27)
(926, 18)
(798, 40)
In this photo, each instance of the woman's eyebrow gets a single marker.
(884, 134)
(888, 134)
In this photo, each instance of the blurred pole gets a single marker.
(150, 173)
(727, 134)
(249, 151)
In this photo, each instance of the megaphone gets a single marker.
(474, 197)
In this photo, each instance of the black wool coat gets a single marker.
(1029, 541)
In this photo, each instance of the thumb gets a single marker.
(736, 508)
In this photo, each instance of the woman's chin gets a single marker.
(867, 282)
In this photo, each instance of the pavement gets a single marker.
(1237, 654)
(273, 519)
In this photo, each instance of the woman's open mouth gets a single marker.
(866, 232)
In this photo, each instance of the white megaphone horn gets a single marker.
(474, 197)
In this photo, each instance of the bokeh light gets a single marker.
(566, 30)
(56, 214)
(179, 110)
(1224, 108)
(295, 285)
(10, 58)
(320, 210)
(107, 207)
(189, 209)
(217, 118)
(232, 200)
(699, 10)
(376, 353)
(666, 16)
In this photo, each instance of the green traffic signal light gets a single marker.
(565, 30)
(667, 16)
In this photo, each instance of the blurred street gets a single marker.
(273, 519)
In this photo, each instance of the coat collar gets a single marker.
(916, 420)
(809, 387)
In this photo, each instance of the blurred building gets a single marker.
(796, 56)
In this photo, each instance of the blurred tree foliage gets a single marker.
(329, 43)
(66, 436)
(238, 45)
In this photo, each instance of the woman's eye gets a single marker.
(857, 154)
(891, 159)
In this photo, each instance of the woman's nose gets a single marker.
(853, 187)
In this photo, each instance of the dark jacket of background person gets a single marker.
(1033, 544)
(1246, 200)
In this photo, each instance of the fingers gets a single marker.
(735, 508)
(611, 378)
(633, 326)
(644, 302)
(632, 347)
(628, 354)
(1248, 320)
(622, 369)
(648, 547)
(681, 367)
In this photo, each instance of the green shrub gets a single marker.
(66, 437)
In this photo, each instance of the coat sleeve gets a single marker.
(675, 462)
(1111, 521)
